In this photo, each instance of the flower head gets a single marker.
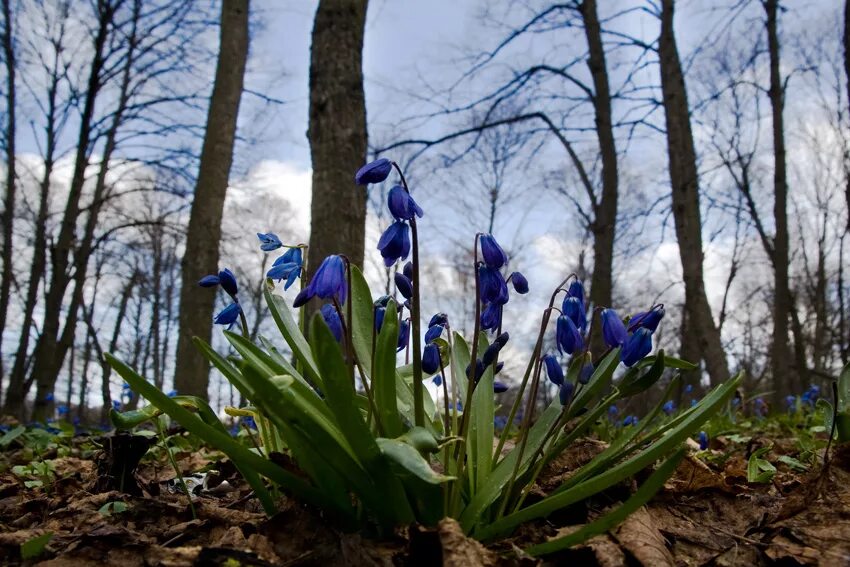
(328, 282)
(288, 266)
(567, 335)
(491, 353)
(332, 320)
(585, 373)
(403, 335)
(228, 315)
(439, 319)
(394, 243)
(613, 330)
(401, 204)
(379, 318)
(373, 172)
(172, 393)
(573, 307)
(493, 254)
(565, 393)
(519, 282)
(647, 320)
(576, 290)
(431, 358)
(493, 288)
(630, 420)
(553, 369)
(669, 407)
(116, 405)
(225, 279)
(269, 241)
(433, 332)
(62, 409)
(403, 285)
(703, 440)
(491, 317)
(638, 345)
(438, 380)
(499, 387)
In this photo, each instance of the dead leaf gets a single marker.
(639, 535)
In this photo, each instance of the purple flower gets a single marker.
(491, 317)
(565, 393)
(493, 254)
(403, 335)
(269, 241)
(576, 290)
(401, 204)
(394, 243)
(379, 318)
(586, 373)
(647, 320)
(328, 282)
(613, 330)
(638, 345)
(553, 369)
(439, 319)
(433, 332)
(228, 315)
(568, 338)
(574, 309)
(225, 279)
(669, 407)
(373, 172)
(703, 440)
(493, 288)
(332, 320)
(519, 282)
(499, 387)
(491, 353)
(630, 420)
(431, 359)
(403, 285)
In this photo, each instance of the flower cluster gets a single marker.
(287, 267)
(492, 285)
(636, 342)
(227, 281)
(431, 353)
(380, 309)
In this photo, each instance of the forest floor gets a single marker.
(707, 514)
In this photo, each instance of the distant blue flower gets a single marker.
(553, 369)
(394, 244)
(373, 172)
(332, 320)
(249, 422)
(328, 282)
(407, 270)
(519, 282)
(499, 387)
(492, 286)
(401, 204)
(229, 315)
(613, 411)
(431, 359)
(225, 279)
(638, 345)
(567, 336)
(703, 440)
(403, 285)
(172, 393)
(288, 266)
(760, 407)
(459, 405)
(269, 241)
(62, 410)
(613, 330)
(379, 318)
(493, 254)
(576, 290)
(688, 389)
(573, 308)
(791, 403)
(811, 395)
(586, 373)
(630, 420)
(403, 335)
(491, 317)
(439, 319)
(116, 405)
(433, 332)
(647, 320)
(438, 380)
(694, 402)
(669, 407)
(565, 393)
(49, 397)
(499, 422)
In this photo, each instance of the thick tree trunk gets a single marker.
(8, 217)
(685, 198)
(605, 214)
(337, 131)
(780, 352)
(191, 375)
(846, 41)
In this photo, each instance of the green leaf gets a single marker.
(11, 435)
(669, 362)
(479, 447)
(793, 463)
(760, 470)
(34, 547)
(407, 460)
(362, 324)
(110, 508)
(292, 335)
(227, 369)
(460, 360)
(636, 384)
(129, 419)
(384, 374)
(844, 389)
(599, 380)
(614, 518)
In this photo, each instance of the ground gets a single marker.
(707, 514)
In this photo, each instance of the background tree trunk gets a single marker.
(685, 197)
(191, 375)
(337, 132)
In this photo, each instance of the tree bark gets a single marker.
(204, 233)
(8, 217)
(337, 132)
(685, 199)
(846, 41)
(605, 212)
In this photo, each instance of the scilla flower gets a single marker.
(567, 335)
(519, 282)
(553, 369)
(573, 308)
(403, 335)
(703, 440)
(493, 254)
(499, 387)
(328, 282)
(613, 330)
(225, 279)
(565, 393)
(669, 407)
(431, 359)
(492, 285)
(576, 290)
(332, 320)
(491, 317)
(403, 285)
(228, 315)
(373, 172)
(401, 204)
(394, 244)
(647, 319)
(638, 345)
(287, 267)
(269, 241)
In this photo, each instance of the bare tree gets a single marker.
(9, 136)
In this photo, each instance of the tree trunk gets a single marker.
(780, 353)
(337, 131)
(846, 41)
(191, 375)
(605, 214)
(685, 199)
(106, 395)
(9, 200)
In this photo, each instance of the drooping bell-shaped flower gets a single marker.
(630, 420)
(703, 440)
(332, 320)
(379, 318)
(585, 373)
(269, 241)
(228, 315)
(373, 172)
(491, 353)
(439, 319)
(403, 285)
(638, 345)
(553, 369)
(499, 367)
(613, 330)
(565, 393)
(225, 279)
(646, 320)
(431, 359)
(669, 407)
(401, 204)
(394, 243)
(576, 290)
(493, 254)
(403, 335)
(288, 267)
(328, 282)
(567, 335)
(491, 317)
(574, 309)
(479, 369)
(433, 332)
(519, 282)
(492, 286)
(407, 270)
(438, 380)
(499, 387)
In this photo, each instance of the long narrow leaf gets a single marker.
(384, 374)
(292, 335)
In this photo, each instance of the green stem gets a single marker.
(182, 482)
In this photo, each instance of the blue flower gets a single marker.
(403, 335)
(433, 332)
(116, 405)
(573, 308)
(172, 393)
(565, 393)
(249, 422)
(401, 204)
(403, 285)
(269, 241)
(439, 319)
(49, 397)
(491, 353)
(630, 420)
(519, 282)
(288, 267)
(638, 345)
(394, 243)
(479, 369)
(669, 407)
(379, 318)
(791, 402)
(647, 320)
(586, 373)
(703, 440)
(328, 282)
(567, 336)
(373, 172)
(62, 409)
(613, 330)
(493, 254)
(613, 411)
(499, 367)
(228, 315)
(225, 279)
(491, 317)
(493, 288)
(499, 387)
(760, 407)
(332, 320)
(431, 358)
(689, 388)
(437, 380)
(576, 290)
(553, 369)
